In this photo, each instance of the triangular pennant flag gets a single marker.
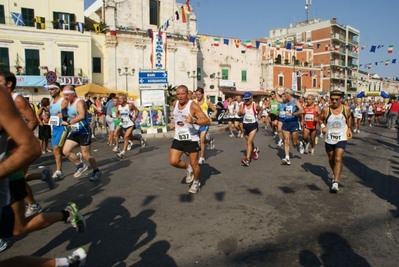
(363, 47)
(183, 14)
(81, 27)
(17, 18)
(390, 49)
(188, 5)
(216, 41)
(248, 43)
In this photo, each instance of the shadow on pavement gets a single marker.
(156, 255)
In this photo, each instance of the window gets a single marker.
(308, 36)
(4, 59)
(199, 72)
(28, 14)
(280, 81)
(32, 62)
(64, 21)
(96, 65)
(154, 12)
(67, 64)
(225, 74)
(299, 83)
(2, 16)
(314, 83)
(299, 37)
(243, 75)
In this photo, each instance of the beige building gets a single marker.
(41, 36)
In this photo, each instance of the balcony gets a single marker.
(337, 62)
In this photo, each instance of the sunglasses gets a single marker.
(335, 99)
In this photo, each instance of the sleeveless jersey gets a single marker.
(281, 110)
(80, 127)
(184, 131)
(310, 117)
(237, 109)
(378, 109)
(117, 120)
(250, 114)
(203, 106)
(370, 110)
(273, 107)
(55, 120)
(125, 116)
(45, 117)
(357, 113)
(4, 187)
(336, 127)
(230, 107)
(291, 108)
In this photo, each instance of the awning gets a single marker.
(229, 92)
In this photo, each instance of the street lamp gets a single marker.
(192, 76)
(126, 73)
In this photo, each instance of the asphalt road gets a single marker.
(140, 213)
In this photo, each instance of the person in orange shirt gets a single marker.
(309, 124)
(378, 111)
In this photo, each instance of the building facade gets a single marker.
(41, 36)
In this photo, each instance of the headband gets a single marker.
(68, 92)
(52, 86)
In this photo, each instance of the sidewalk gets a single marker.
(214, 128)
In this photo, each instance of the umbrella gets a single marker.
(94, 89)
(129, 94)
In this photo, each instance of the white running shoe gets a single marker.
(116, 149)
(80, 156)
(129, 145)
(121, 154)
(57, 175)
(358, 131)
(77, 258)
(231, 135)
(280, 143)
(334, 188)
(301, 148)
(312, 152)
(33, 209)
(321, 135)
(189, 177)
(79, 171)
(195, 187)
(201, 160)
(307, 147)
(285, 161)
(355, 130)
(143, 142)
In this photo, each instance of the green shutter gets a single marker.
(243, 75)
(4, 59)
(72, 22)
(225, 74)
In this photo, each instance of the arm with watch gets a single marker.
(197, 116)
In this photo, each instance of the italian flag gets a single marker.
(390, 49)
(248, 43)
(387, 63)
(216, 41)
(336, 48)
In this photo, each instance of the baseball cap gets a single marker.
(247, 95)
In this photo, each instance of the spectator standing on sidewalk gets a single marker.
(393, 114)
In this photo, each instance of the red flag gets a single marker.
(188, 5)
(183, 15)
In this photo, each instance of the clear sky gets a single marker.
(377, 21)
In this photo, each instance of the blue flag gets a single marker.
(81, 27)
(288, 47)
(373, 48)
(226, 41)
(18, 19)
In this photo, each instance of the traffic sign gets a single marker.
(153, 80)
(51, 77)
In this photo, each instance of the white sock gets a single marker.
(61, 262)
(189, 168)
(287, 157)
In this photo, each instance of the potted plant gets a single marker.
(286, 62)
(80, 73)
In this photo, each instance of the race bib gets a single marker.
(75, 127)
(113, 114)
(335, 136)
(184, 135)
(274, 107)
(288, 109)
(309, 117)
(378, 109)
(54, 121)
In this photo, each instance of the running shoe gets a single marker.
(301, 148)
(75, 218)
(121, 154)
(239, 134)
(77, 258)
(334, 188)
(143, 142)
(95, 175)
(80, 170)
(312, 152)
(358, 131)
(80, 156)
(116, 149)
(280, 143)
(57, 176)
(245, 161)
(129, 145)
(316, 140)
(49, 150)
(285, 161)
(201, 161)
(355, 130)
(255, 153)
(195, 187)
(275, 135)
(212, 144)
(189, 177)
(321, 135)
(307, 148)
(3, 245)
(231, 135)
(242, 135)
(48, 177)
(33, 209)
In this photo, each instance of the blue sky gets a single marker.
(251, 19)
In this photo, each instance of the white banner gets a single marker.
(159, 51)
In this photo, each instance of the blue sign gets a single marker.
(153, 80)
